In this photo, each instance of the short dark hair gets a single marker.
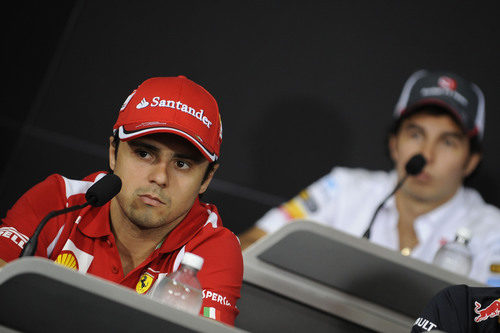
(436, 110)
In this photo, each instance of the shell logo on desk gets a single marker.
(144, 283)
(67, 259)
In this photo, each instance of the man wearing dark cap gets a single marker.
(441, 116)
(164, 148)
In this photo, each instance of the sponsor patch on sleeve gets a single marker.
(425, 324)
(490, 311)
(300, 206)
(308, 201)
(211, 313)
(14, 236)
(293, 209)
(212, 295)
(495, 267)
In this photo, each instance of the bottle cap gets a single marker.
(464, 233)
(192, 260)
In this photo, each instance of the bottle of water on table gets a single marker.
(181, 289)
(456, 256)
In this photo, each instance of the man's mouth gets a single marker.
(423, 177)
(151, 200)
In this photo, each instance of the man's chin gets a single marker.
(147, 221)
(422, 195)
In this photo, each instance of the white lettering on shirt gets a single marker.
(15, 236)
(215, 297)
(425, 324)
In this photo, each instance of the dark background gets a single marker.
(302, 86)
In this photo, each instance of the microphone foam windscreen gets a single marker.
(103, 190)
(415, 165)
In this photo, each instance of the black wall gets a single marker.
(302, 86)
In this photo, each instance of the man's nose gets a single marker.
(428, 150)
(159, 174)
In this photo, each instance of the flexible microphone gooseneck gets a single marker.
(97, 195)
(413, 167)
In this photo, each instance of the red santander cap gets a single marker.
(172, 105)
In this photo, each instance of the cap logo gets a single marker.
(124, 105)
(440, 91)
(176, 105)
(142, 104)
(447, 83)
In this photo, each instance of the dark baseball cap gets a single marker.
(462, 98)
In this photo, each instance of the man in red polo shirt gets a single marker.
(164, 147)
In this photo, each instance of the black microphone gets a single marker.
(103, 190)
(97, 195)
(413, 167)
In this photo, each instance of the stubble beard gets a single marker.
(426, 195)
(145, 217)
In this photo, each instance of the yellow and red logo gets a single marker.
(144, 283)
(67, 259)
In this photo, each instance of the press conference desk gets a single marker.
(37, 295)
(309, 277)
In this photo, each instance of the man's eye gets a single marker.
(142, 153)
(450, 142)
(182, 165)
(414, 134)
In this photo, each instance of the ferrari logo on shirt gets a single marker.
(144, 283)
(67, 259)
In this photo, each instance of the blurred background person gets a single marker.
(441, 116)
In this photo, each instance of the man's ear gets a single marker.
(393, 147)
(472, 163)
(207, 181)
(112, 150)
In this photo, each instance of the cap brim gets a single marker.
(125, 135)
(442, 104)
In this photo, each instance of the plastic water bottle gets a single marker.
(455, 256)
(181, 289)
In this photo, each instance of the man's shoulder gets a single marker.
(360, 179)
(216, 243)
(66, 186)
(214, 230)
(361, 173)
(482, 211)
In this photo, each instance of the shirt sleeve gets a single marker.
(446, 311)
(221, 275)
(316, 202)
(23, 218)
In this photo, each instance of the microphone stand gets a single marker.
(97, 195)
(414, 166)
(30, 246)
(379, 207)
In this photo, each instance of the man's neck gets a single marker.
(133, 247)
(409, 209)
(135, 244)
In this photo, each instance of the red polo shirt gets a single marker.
(83, 240)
